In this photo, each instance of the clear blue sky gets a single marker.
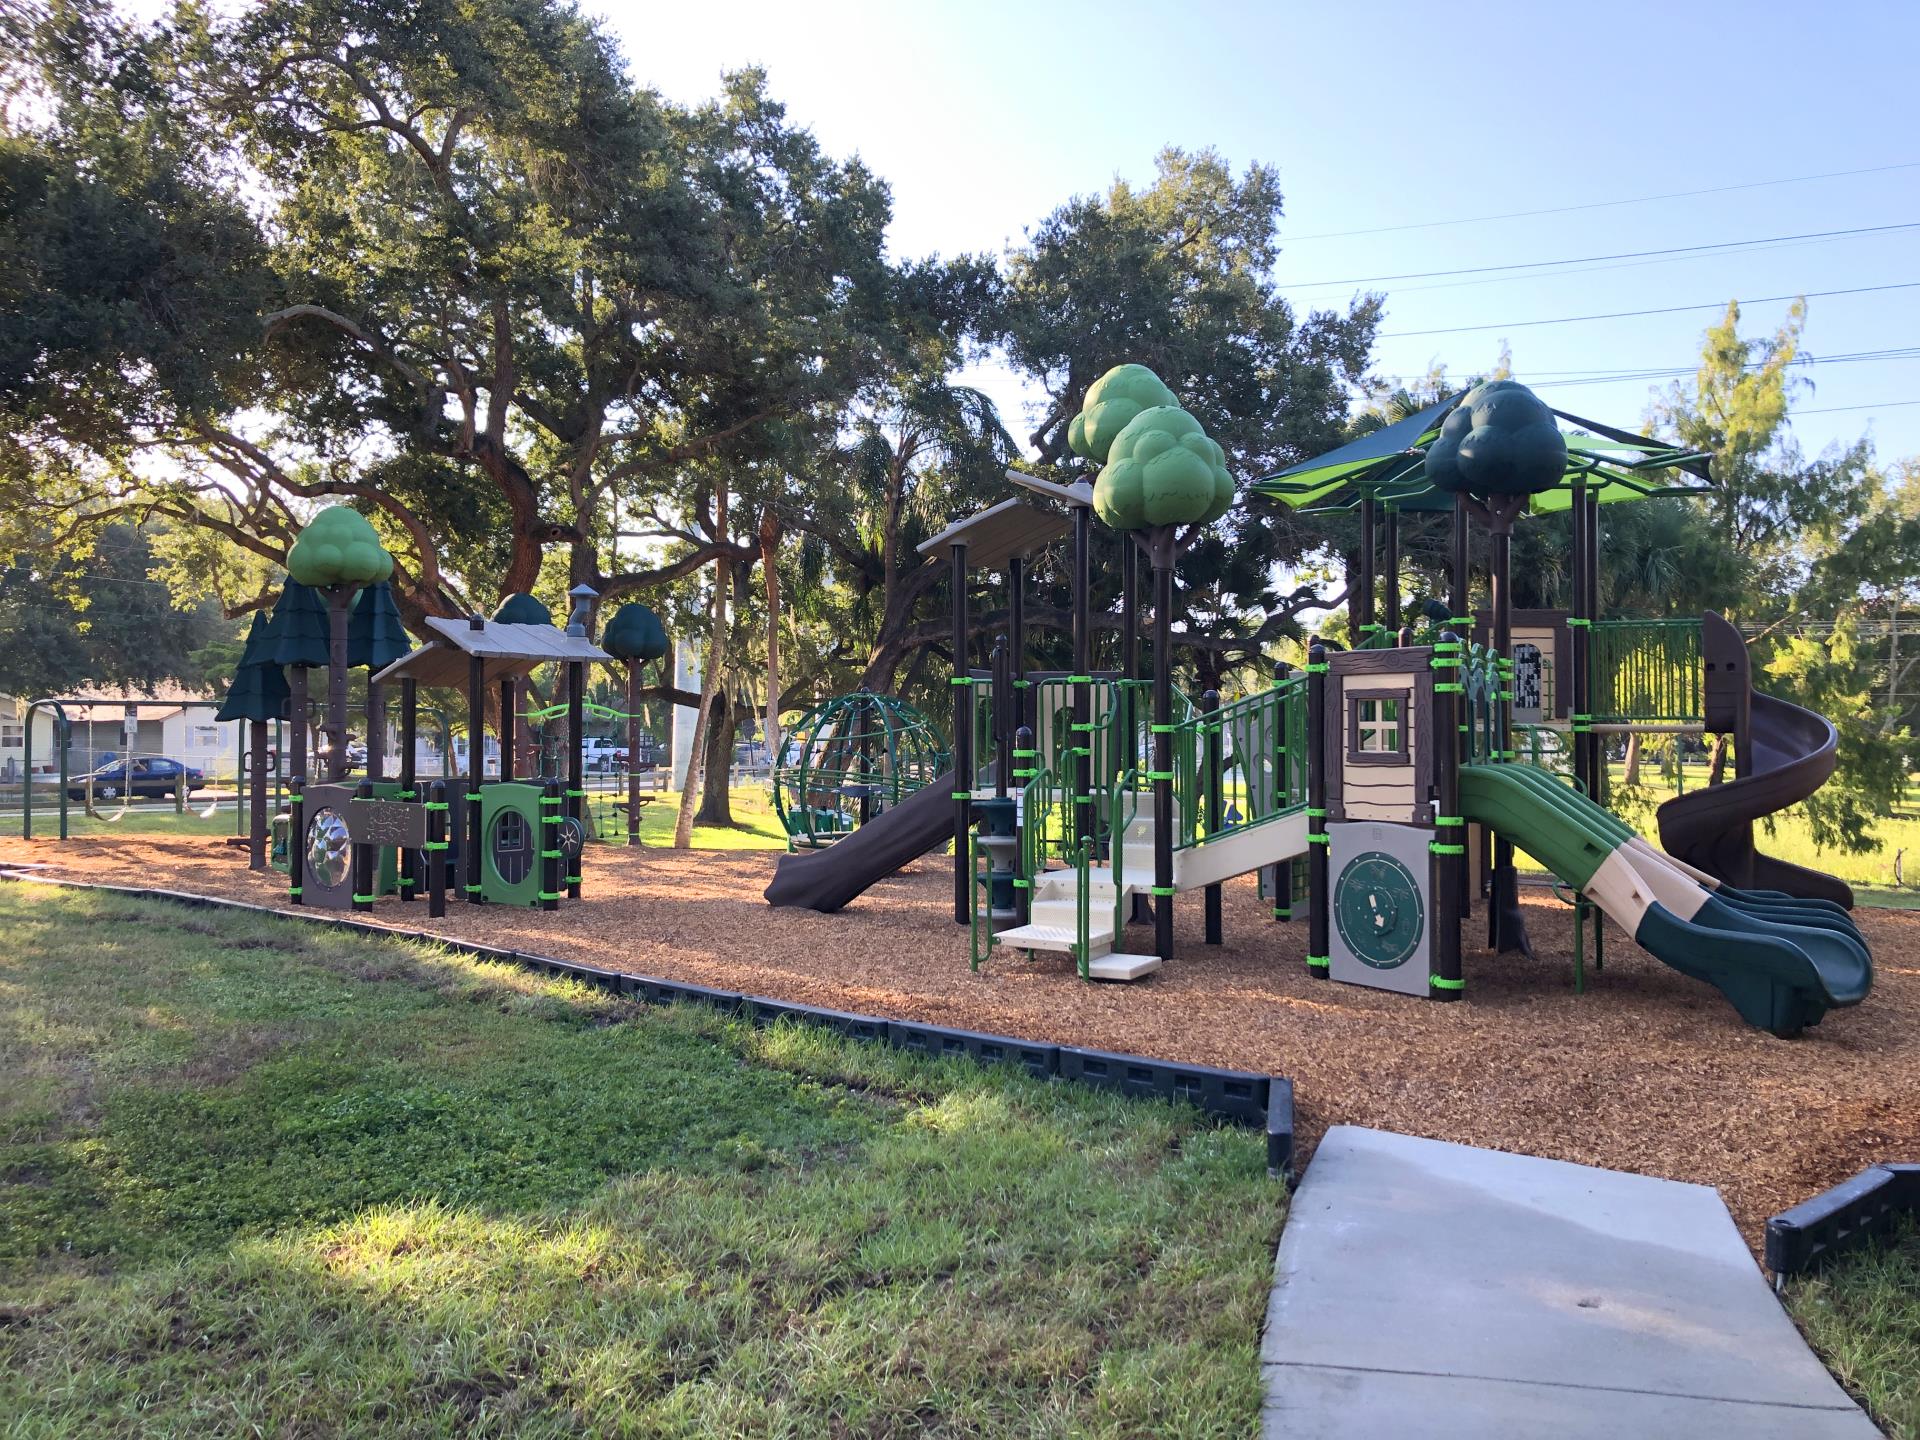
(984, 116)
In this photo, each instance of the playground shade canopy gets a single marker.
(1000, 533)
(506, 652)
(1389, 465)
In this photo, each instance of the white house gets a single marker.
(106, 724)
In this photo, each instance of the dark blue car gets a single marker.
(153, 777)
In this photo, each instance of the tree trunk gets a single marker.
(769, 556)
(1633, 759)
(338, 600)
(709, 684)
(1717, 764)
(716, 799)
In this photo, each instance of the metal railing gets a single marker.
(1645, 671)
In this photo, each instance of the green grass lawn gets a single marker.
(1863, 1315)
(262, 1179)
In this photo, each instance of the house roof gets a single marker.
(506, 652)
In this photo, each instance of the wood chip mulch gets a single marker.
(1648, 1071)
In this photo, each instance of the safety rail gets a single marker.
(1489, 680)
(1264, 739)
(1645, 672)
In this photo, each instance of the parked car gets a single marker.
(151, 777)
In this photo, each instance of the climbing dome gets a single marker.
(850, 759)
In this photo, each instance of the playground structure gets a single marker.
(848, 760)
(1400, 774)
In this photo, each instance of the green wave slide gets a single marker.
(1783, 962)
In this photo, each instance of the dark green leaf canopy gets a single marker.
(299, 627)
(522, 609)
(1499, 440)
(259, 690)
(634, 633)
(376, 636)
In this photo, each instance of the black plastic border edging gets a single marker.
(1239, 1096)
(1849, 1216)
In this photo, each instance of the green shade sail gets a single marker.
(376, 636)
(259, 690)
(1390, 466)
(299, 628)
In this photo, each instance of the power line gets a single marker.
(1662, 310)
(1600, 204)
(1720, 245)
(1836, 409)
(1668, 372)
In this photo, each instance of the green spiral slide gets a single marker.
(1783, 962)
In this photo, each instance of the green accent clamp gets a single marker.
(1162, 890)
(1439, 849)
(436, 844)
(1163, 729)
(1316, 812)
(433, 805)
(1440, 982)
(1449, 820)
(1320, 962)
(295, 890)
(552, 895)
(365, 899)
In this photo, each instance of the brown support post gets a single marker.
(1083, 807)
(296, 838)
(633, 752)
(1361, 610)
(509, 714)
(1450, 828)
(1461, 622)
(257, 800)
(361, 857)
(297, 703)
(962, 687)
(576, 806)
(1577, 678)
(1210, 707)
(409, 737)
(1390, 573)
(1162, 558)
(476, 763)
(1319, 930)
(436, 854)
(1017, 638)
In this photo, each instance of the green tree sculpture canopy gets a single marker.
(634, 633)
(1162, 469)
(338, 547)
(1112, 402)
(521, 608)
(1500, 440)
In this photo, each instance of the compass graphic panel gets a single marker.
(1381, 905)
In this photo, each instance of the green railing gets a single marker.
(1646, 672)
(1488, 680)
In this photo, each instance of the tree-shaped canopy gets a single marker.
(338, 548)
(1112, 402)
(1500, 440)
(634, 633)
(259, 690)
(521, 608)
(1162, 469)
(299, 628)
(376, 636)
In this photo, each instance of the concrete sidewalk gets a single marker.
(1427, 1290)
